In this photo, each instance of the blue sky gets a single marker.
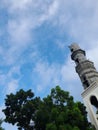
(34, 40)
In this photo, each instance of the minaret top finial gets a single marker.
(74, 46)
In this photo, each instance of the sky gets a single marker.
(34, 40)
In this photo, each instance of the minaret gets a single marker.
(89, 78)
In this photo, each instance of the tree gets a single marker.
(20, 108)
(57, 111)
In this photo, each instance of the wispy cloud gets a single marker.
(79, 19)
(77, 22)
(24, 17)
(48, 75)
(12, 86)
(10, 80)
(92, 55)
(74, 21)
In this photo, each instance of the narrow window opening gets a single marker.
(85, 81)
(94, 103)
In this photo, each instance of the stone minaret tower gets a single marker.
(89, 78)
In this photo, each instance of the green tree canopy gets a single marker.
(20, 108)
(57, 111)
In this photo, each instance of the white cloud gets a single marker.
(60, 44)
(9, 83)
(52, 75)
(78, 21)
(92, 55)
(50, 12)
(77, 18)
(68, 71)
(23, 17)
(19, 32)
(12, 87)
(17, 5)
(35, 12)
(48, 75)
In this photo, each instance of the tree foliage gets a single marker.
(20, 108)
(57, 111)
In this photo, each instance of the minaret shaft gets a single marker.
(89, 78)
(85, 68)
